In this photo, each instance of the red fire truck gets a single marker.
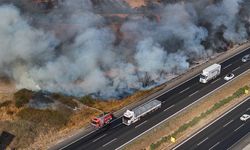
(102, 120)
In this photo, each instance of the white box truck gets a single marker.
(210, 73)
(131, 116)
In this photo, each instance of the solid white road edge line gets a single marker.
(77, 140)
(141, 124)
(99, 138)
(210, 124)
(157, 96)
(227, 123)
(238, 141)
(202, 141)
(214, 145)
(182, 110)
(109, 142)
(198, 74)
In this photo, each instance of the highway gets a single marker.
(173, 101)
(221, 134)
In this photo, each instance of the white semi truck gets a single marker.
(210, 73)
(131, 116)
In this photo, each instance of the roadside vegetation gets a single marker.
(114, 105)
(38, 128)
(195, 117)
(22, 97)
(66, 100)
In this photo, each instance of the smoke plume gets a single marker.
(73, 50)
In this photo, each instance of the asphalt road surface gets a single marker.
(116, 135)
(223, 133)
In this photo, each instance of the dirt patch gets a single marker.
(174, 123)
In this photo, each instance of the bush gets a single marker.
(66, 100)
(22, 97)
(195, 120)
(87, 100)
(152, 146)
(5, 104)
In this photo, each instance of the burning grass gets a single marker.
(114, 105)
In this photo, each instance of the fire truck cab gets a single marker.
(102, 120)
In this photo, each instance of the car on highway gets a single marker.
(245, 58)
(229, 76)
(244, 117)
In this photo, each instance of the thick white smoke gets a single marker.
(22, 46)
(72, 50)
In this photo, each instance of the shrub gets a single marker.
(87, 100)
(5, 104)
(66, 100)
(152, 146)
(22, 97)
(195, 120)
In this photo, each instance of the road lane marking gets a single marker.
(184, 89)
(240, 140)
(193, 93)
(236, 69)
(168, 108)
(248, 108)
(215, 80)
(140, 124)
(185, 109)
(99, 138)
(227, 66)
(109, 142)
(239, 127)
(202, 141)
(117, 125)
(154, 97)
(228, 123)
(214, 145)
(211, 123)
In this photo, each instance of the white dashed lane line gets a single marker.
(193, 93)
(109, 142)
(202, 141)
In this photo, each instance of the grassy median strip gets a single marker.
(197, 119)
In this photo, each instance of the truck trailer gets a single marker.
(131, 116)
(210, 73)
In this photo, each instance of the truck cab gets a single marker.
(210, 73)
(102, 120)
(128, 117)
(203, 78)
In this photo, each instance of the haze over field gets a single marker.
(87, 59)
